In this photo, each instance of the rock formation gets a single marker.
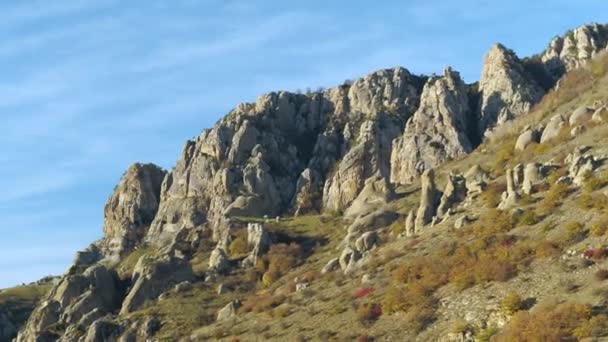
(258, 242)
(454, 193)
(511, 196)
(131, 208)
(574, 49)
(507, 89)
(428, 200)
(438, 130)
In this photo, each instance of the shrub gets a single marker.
(368, 313)
(546, 249)
(364, 292)
(511, 303)
(599, 227)
(601, 274)
(238, 246)
(553, 198)
(575, 231)
(596, 253)
(528, 218)
(491, 196)
(261, 303)
(418, 317)
(547, 323)
(280, 259)
(460, 326)
(597, 326)
(487, 334)
(593, 182)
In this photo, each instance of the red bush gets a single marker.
(363, 292)
(596, 253)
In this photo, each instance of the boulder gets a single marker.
(553, 128)
(218, 260)
(331, 265)
(527, 138)
(367, 241)
(600, 115)
(229, 311)
(580, 115)
(377, 219)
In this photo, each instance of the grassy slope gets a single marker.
(19, 302)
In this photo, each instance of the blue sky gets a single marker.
(89, 87)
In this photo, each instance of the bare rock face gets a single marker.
(131, 208)
(437, 132)
(574, 49)
(507, 90)
(428, 200)
(152, 277)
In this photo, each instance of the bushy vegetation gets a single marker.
(511, 303)
(279, 259)
(562, 322)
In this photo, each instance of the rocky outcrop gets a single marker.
(532, 176)
(476, 180)
(511, 196)
(438, 130)
(152, 277)
(454, 193)
(131, 208)
(74, 298)
(574, 49)
(507, 89)
(428, 200)
(258, 241)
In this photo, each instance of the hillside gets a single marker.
(395, 207)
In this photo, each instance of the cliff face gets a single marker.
(336, 150)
